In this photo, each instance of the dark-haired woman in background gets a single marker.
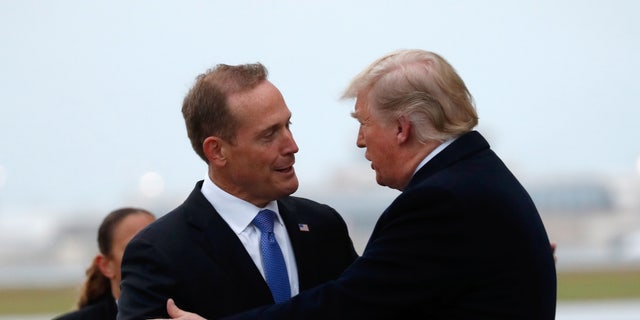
(102, 286)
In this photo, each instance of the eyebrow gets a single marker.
(273, 127)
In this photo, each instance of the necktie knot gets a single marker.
(264, 220)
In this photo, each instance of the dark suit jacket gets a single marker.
(103, 309)
(462, 241)
(193, 256)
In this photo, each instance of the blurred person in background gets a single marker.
(101, 289)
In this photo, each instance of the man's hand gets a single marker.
(177, 313)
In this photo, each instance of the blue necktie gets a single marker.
(275, 269)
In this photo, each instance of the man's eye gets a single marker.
(268, 135)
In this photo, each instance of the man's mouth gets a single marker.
(285, 169)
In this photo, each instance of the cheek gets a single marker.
(117, 258)
(377, 147)
(116, 268)
(252, 158)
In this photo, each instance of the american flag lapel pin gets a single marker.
(303, 227)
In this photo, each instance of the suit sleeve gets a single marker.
(348, 252)
(146, 280)
(389, 279)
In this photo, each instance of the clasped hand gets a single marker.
(177, 313)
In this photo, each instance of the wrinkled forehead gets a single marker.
(366, 109)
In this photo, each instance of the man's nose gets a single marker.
(291, 145)
(360, 139)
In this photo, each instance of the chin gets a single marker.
(289, 188)
(293, 188)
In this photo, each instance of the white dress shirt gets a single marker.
(433, 153)
(238, 214)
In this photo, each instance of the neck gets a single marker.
(413, 156)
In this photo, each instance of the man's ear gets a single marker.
(105, 265)
(403, 128)
(214, 148)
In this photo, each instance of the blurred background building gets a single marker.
(594, 220)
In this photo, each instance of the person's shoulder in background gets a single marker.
(103, 309)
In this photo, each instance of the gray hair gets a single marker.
(422, 86)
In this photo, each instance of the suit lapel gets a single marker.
(224, 247)
(301, 242)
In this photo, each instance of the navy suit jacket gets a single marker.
(462, 241)
(103, 309)
(193, 256)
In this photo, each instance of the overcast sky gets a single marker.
(91, 91)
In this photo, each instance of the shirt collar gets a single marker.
(433, 153)
(236, 212)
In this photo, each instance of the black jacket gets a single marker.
(462, 241)
(193, 256)
(103, 309)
